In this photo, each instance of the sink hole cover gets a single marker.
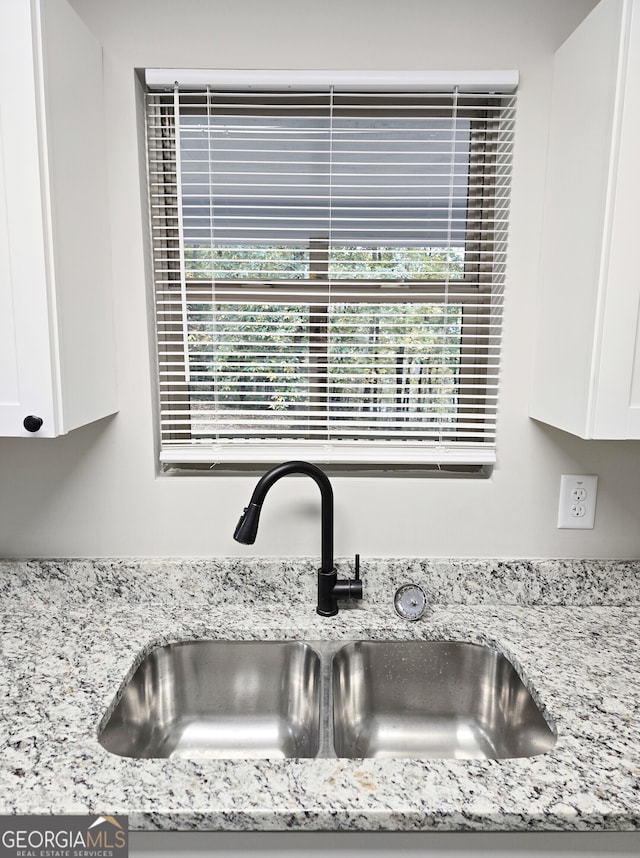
(410, 602)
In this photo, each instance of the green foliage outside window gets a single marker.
(372, 360)
(344, 263)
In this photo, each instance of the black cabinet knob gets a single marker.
(31, 423)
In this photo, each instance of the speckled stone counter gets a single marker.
(73, 631)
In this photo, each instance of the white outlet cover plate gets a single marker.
(577, 504)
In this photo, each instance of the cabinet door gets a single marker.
(26, 372)
(587, 367)
(618, 378)
(57, 358)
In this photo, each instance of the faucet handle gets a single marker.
(343, 588)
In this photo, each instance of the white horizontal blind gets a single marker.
(329, 272)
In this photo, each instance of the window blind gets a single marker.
(329, 271)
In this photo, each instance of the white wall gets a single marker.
(95, 491)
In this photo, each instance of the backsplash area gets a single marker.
(271, 582)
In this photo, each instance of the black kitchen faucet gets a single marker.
(330, 588)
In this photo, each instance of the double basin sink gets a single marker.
(273, 699)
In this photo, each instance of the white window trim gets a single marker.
(404, 453)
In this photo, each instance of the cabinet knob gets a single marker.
(31, 423)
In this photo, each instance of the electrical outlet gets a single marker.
(577, 507)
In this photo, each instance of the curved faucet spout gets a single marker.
(330, 589)
(247, 527)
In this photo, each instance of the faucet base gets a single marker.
(327, 613)
(330, 589)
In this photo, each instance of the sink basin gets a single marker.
(220, 699)
(429, 699)
(269, 699)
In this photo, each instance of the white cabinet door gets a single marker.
(585, 376)
(56, 332)
(25, 362)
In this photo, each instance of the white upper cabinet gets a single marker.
(587, 363)
(56, 330)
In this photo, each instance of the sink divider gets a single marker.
(326, 650)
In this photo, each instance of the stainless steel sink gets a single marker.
(270, 699)
(430, 699)
(220, 699)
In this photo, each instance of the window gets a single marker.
(329, 266)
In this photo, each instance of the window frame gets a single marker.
(475, 289)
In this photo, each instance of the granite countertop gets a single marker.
(73, 631)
